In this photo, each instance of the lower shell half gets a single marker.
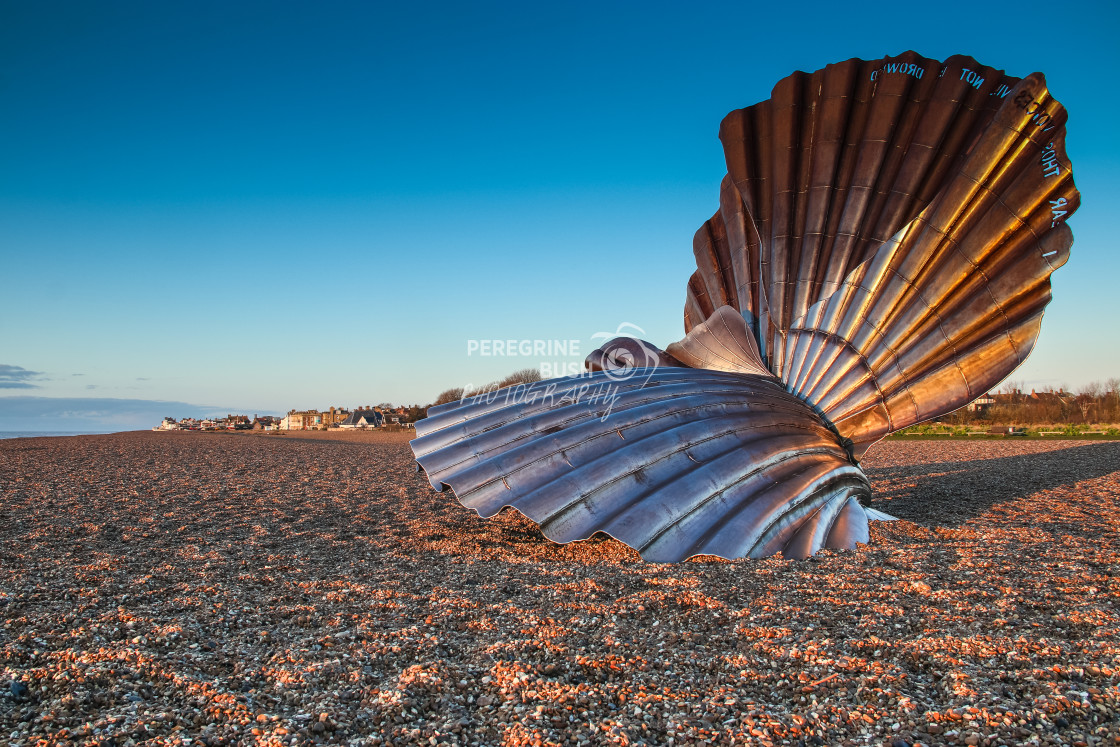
(674, 462)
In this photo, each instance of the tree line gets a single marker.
(524, 376)
(1096, 402)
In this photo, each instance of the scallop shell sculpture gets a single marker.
(881, 256)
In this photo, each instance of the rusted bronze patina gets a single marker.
(881, 256)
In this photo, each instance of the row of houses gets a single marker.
(229, 422)
(296, 420)
(1094, 403)
(985, 402)
(311, 420)
(337, 417)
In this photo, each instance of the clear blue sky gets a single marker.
(267, 206)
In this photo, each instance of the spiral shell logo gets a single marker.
(624, 355)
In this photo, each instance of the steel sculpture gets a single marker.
(881, 256)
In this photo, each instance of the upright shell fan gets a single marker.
(881, 256)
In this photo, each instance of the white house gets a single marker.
(363, 419)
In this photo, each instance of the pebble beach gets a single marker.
(251, 588)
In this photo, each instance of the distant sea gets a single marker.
(40, 434)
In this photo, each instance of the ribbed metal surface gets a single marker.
(881, 256)
(722, 342)
(672, 461)
(829, 168)
(952, 304)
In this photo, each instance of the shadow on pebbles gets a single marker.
(168, 588)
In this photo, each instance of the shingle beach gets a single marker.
(211, 588)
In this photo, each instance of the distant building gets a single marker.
(981, 404)
(363, 419)
(168, 424)
(301, 420)
(334, 416)
(265, 423)
(238, 423)
(1053, 398)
